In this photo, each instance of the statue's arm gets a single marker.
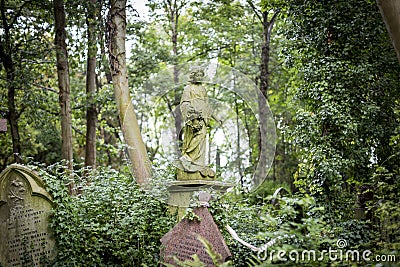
(186, 105)
(185, 95)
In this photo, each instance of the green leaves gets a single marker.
(338, 126)
(111, 223)
(347, 111)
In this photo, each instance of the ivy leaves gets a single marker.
(112, 221)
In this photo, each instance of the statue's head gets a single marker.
(196, 74)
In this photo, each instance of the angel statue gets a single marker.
(196, 113)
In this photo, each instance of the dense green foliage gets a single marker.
(348, 103)
(333, 89)
(111, 223)
(295, 223)
(27, 59)
(348, 97)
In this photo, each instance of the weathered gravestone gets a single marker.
(182, 241)
(25, 237)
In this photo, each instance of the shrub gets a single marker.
(296, 223)
(111, 223)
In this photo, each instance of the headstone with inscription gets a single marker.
(25, 205)
(182, 241)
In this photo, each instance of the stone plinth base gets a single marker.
(183, 242)
(206, 174)
(181, 192)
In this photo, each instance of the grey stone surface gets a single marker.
(181, 193)
(196, 113)
(25, 207)
(3, 125)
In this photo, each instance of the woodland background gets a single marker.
(327, 68)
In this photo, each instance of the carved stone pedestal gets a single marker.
(185, 239)
(192, 176)
(181, 192)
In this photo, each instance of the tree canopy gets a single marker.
(327, 69)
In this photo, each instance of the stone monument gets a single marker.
(25, 205)
(193, 174)
(183, 241)
(196, 113)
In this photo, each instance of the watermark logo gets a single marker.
(340, 253)
(341, 243)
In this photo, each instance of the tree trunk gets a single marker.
(238, 150)
(63, 85)
(91, 112)
(129, 124)
(390, 10)
(173, 14)
(177, 115)
(264, 85)
(262, 109)
(13, 115)
(6, 59)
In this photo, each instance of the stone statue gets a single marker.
(196, 113)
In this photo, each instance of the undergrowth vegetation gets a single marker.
(112, 222)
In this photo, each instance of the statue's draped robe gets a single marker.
(195, 113)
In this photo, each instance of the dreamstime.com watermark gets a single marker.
(340, 253)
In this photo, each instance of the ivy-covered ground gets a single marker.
(327, 68)
(112, 222)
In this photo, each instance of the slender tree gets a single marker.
(63, 85)
(130, 127)
(91, 111)
(267, 22)
(6, 52)
(173, 10)
(25, 53)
